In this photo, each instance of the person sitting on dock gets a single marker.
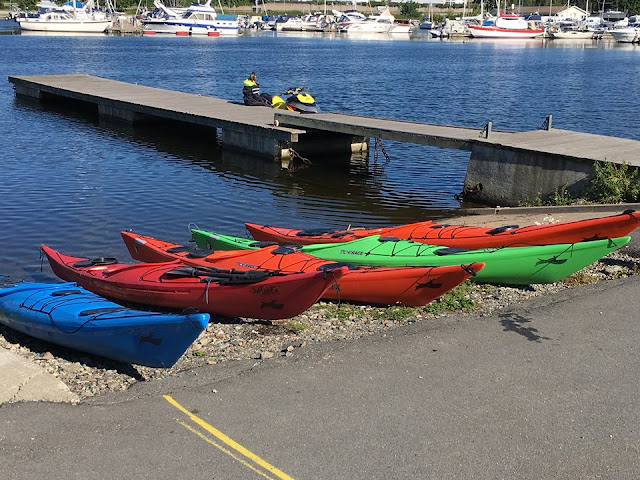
(251, 93)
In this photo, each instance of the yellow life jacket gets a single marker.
(249, 83)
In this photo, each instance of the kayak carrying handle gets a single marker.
(468, 269)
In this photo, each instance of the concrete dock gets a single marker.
(505, 167)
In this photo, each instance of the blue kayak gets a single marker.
(73, 317)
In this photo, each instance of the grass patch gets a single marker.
(296, 326)
(395, 313)
(455, 300)
(579, 278)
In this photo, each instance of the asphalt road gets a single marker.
(545, 390)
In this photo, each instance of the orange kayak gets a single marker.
(252, 294)
(410, 286)
(460, 236)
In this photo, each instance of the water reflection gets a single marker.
(331, 189)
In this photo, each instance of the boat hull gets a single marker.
(494, 32)
(173, 27)
(572, 35)
(410, 286)
(88, 26)
(509, 266)
(156, 284)
(70, 316)
(626, 35)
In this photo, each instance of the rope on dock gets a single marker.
(378, 143)
(306, 162)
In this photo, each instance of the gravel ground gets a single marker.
(225, 339)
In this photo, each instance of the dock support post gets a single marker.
(486, 131)
(265, 146)
(510, 176)
(28, 91)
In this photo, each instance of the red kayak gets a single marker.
(410, 286)
(460, 236)
(251, 294)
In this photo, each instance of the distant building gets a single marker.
(437, 2)
(572, 13)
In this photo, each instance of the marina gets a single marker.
(141, 155)
(198, 166)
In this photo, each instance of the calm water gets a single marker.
(74, 183)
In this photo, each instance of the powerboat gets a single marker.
(348, 17)
(198, 19)
(629, 34)
(309, 23)
(506, 26)
(73, 17)
(381, 22)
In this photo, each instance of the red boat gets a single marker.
(410, 286)
(252, 294)
(460, 236)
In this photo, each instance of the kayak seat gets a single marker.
(449, 251)
(314, 232)
(199, 252)
(340, 234)
(262, 244)
(96, 261)
(178, 249)
(388, 239)
(504, 228)
(221, 276)
(282, 250)
(440, 225)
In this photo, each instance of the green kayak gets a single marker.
(509, 266)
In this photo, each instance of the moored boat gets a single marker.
(505, 26)
(572, 34)
(198, 19)
(381, 22)
(410, 286)
(74, 18)
(68, 315)
(628, 34)
(509, 266)
(464, 236)
(253, 294)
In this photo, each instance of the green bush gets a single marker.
(613, 183)
(410, 10)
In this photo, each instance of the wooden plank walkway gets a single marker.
(257, 128)
(157, 102)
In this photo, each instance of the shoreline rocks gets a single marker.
(224, 340)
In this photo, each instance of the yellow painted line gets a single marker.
(230, 442)
(228, 452)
